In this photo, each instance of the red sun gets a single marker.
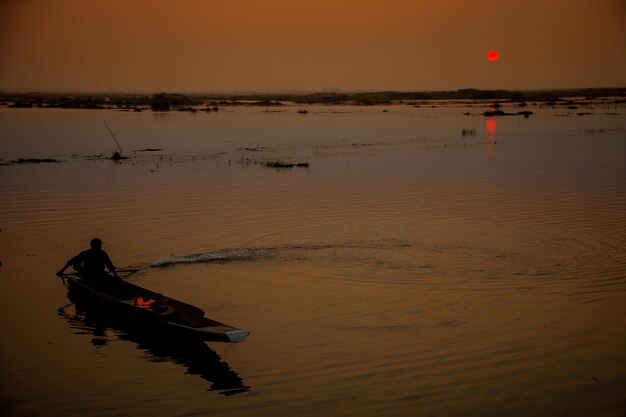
(492, 55)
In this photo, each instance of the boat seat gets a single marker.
(163, 310)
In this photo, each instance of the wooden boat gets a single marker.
(153, 309)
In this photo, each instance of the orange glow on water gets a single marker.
(491, 137)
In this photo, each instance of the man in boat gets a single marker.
(91, 262)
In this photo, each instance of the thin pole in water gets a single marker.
(111, 132)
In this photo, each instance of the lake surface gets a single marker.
(409, 270)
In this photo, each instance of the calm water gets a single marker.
(408, 271)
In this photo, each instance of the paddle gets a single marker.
(127, 271)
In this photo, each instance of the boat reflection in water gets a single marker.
(194, 354)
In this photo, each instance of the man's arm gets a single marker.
(74, 261)
(62, 270)
(109, 264)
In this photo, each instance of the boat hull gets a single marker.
(153, 310)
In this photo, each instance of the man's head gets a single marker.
(96, 243)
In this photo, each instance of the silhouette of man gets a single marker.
(91, 262)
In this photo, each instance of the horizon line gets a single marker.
(297, 92)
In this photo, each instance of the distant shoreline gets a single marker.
(212, 101)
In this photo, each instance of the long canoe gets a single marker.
(153, 309)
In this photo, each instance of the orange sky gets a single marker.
(279, 45)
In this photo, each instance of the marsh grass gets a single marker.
(281, 164)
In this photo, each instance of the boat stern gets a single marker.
(237, 335)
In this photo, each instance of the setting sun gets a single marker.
(492, 55)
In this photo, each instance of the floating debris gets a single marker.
(258, 148)
(34, 161)
(490, 113)
(118, 156)
(281, 164)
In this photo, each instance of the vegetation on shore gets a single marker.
(281, 164)
(212, 102)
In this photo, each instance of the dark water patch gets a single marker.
(34, 161)
(196, 356)
(450, 323)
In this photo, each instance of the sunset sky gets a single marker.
(310, 45)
